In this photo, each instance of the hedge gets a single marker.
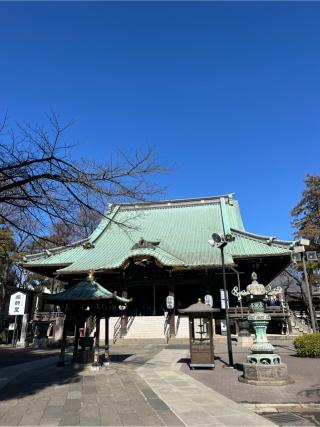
(308, 345)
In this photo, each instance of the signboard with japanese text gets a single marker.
(17, 304)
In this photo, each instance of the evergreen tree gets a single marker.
(306, 214)
(306, 221)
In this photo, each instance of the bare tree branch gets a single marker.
(42, 183)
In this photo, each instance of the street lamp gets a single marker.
(298, 255)
(220, 241)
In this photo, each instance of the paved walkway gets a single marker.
(304, 371)
(193, 402)
(8, 374)
(12, 356)
(143, 386)
(67, 396)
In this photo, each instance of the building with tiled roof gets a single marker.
(148, 250)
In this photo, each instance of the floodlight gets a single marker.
(312, 256)
(317, 240)
(216, 237)
(304, 242)
(296, 256)
(298, 249)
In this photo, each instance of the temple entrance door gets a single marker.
(148, 300)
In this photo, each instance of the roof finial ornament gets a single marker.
(141, 242)
(90, 276)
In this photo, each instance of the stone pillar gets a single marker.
(24, 330)
(58, 329)
(96, 363)
(63, 341)
(76, 341)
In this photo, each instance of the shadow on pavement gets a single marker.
(12, 356)
(313, 392)
(117, 358)
(38, 380)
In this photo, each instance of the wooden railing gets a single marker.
(274, 311)
(48, 316)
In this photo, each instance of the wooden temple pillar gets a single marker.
(63, 340)
(154, 299)
(124, 316)
(106, 342)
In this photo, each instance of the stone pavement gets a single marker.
(129, 393)
(7, 375)
(12, 356)
(304, 371)
(67, 396)
(193, 402)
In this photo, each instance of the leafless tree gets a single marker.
(41, 184)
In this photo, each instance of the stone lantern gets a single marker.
(263, 367)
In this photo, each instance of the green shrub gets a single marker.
(308, 345)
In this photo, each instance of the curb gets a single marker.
(281, 407)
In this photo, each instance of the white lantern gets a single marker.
(170, 302)
(208, 300)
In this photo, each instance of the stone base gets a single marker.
(40, 343)
(259, 374)
(84, 356)
(95, 367)
(244, 341)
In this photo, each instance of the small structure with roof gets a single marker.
(87, 298)
(200, 334)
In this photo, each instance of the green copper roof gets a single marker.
(177, 231)
(87, 290)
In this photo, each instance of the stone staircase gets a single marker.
(182, 327)
(147, 327)
(298, 324)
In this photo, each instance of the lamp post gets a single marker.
(221, 241)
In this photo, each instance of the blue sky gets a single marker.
(227, 92)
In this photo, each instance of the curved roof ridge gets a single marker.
(104, 223)
(57, 249)
(84, 291)
(167, 202)
(256, 236)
